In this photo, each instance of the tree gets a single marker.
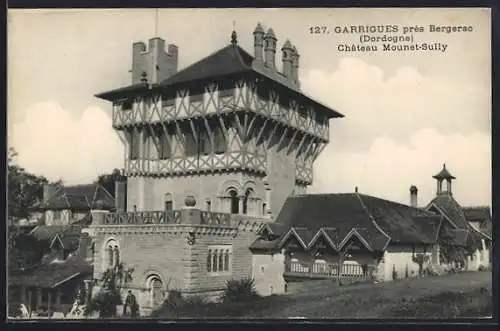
(24, 188)
(24, 250)
(108, 180)
(110, 285)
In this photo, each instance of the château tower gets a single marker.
(230, 130)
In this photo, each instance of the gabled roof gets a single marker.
(229, 60)
(47, 232)
(78, 197)
(450, 207)
(69, 237)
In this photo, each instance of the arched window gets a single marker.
(168, 202)
(226, 260)
(221, 261)
(209, 261)
(214, 261)
(112, 253)
(235, 201)
(248, 194)
(116, 255)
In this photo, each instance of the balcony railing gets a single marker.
(142, 217)
(326, 270)
(202, 163)
(210, 218)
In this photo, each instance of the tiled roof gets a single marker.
(79, 197)
(229, 60)
(51, 275)
(376, 221)
(477, 213)
(449, 206)
(403, 223)
(460, 217)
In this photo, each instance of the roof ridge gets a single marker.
(106, 191)
(370, 216)
(237, 48)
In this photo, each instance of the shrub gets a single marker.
(105, 303)
(239, 290)
(482, 268)
(111, 284)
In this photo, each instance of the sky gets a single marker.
(406, 113)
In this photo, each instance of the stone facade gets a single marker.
(177, 254)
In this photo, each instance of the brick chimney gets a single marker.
(414, 196)
(121, 194)
(295, 66)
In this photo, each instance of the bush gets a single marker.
(482, 268)
(239, 290)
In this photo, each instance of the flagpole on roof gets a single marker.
(156, 22)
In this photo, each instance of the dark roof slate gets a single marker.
(52, 274)
(47, 232)
(449, 206)
(229, 60)
(78, 197)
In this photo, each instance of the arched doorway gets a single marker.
(156, 291)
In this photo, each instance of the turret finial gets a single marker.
(234, 36)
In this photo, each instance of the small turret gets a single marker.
(258, 42)
(287, 59)
(270, 49)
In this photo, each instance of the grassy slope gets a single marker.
(460, 295)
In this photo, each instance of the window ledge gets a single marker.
(220, 273)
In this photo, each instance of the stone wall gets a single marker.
(176, 254)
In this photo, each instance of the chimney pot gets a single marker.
(287, 59)
(270, 49)
(413, 196)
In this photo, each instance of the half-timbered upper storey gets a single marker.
(224, 111)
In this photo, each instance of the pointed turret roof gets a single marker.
(443, 174)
